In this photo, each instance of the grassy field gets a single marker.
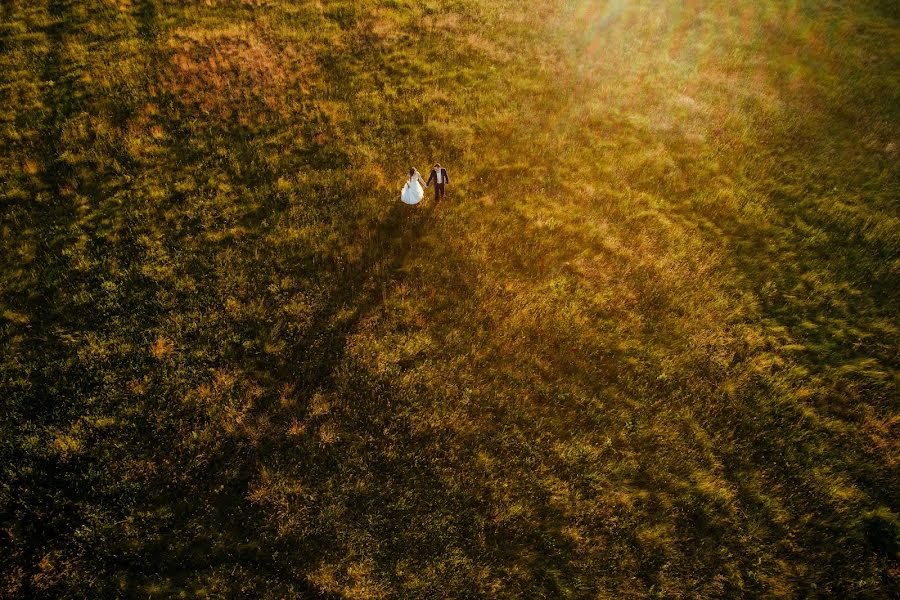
(647, 347)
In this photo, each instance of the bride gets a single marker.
(413, 189)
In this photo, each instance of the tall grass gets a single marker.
(646, 347)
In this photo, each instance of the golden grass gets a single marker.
(226, 71)
(647, 346)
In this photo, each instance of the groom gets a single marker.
(440, 178)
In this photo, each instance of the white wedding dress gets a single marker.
(413, 189)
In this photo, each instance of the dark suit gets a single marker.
(440, 189)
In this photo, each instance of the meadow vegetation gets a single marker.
(648, 346)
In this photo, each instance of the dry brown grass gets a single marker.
(236, 72)
(647, 347)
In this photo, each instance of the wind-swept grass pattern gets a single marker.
(648, 345)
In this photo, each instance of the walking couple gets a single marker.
(413, 189)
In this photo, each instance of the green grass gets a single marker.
(647, 347)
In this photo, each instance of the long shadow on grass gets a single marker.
(324, 345)
(403, 500)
